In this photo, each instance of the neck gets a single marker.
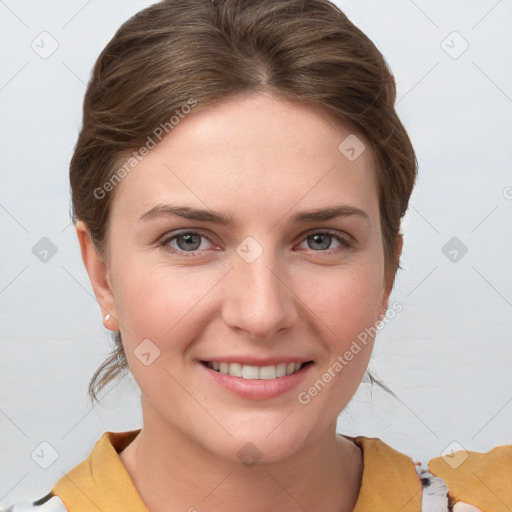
(171, 472)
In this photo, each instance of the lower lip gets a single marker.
(257, 389)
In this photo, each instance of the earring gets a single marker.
(107, 317)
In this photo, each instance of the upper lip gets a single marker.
(255, 361)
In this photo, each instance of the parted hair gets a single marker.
(305, 51)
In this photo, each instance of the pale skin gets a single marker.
(262, 160)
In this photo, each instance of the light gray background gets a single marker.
(447, 355)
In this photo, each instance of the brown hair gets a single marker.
(305, 51)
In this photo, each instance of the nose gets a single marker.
(258, 299)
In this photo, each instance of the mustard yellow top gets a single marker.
(483, 479)
(390, 481)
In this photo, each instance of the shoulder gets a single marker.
(458, 481)
(48, 503)
(482, 479)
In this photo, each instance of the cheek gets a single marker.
(346, 300)
(155, 311)
(162, 303)
(345, 305)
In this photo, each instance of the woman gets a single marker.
(238, 186)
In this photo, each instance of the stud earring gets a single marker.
(107, 317)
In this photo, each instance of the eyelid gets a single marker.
(346, 241)
(334, 232)
(172, 235)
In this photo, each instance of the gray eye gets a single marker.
(321, 241)
(192, 241)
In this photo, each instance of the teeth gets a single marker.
(249, 372)
(268, 372)
(246, 371)
(281, 370)
(235, 369)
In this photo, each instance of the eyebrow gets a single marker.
(187, 212)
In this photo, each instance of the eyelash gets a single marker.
(345, 243)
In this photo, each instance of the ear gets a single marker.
(98, 275)
(387, 292)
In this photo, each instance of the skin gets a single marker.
(261, 159)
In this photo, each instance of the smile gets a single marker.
(250, 372)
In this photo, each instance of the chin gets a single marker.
(258, 445)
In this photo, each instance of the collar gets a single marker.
(390, 480)
(101, 479)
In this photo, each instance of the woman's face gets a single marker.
(270, 289)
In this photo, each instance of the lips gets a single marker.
(255, 378)
(254, 372)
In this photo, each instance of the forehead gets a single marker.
(250, 153)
